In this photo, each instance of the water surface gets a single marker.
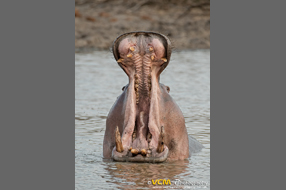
(98, 82)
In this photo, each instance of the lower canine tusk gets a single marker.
(160, 147)
(119, 147)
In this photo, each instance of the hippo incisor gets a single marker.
(145, 124)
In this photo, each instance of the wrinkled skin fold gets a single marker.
(144, 124)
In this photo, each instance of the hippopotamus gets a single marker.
(144, 124)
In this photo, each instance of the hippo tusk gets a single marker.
(160, 147)
(119, 146)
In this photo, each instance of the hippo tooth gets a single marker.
(152, 57)
(149, 137)
(148, 153)
(129, 55)
(132, 48)
(133, 136)
(160, 147)
(134, 151)
(130, 149)
(120, 60)
(119, 147)
(150, 49)
(143, 152)
(164, 59)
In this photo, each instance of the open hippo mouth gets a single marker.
(142, 56)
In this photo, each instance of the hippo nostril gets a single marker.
(162, 143)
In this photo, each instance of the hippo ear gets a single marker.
(115, 46)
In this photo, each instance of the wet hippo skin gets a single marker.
(144, 124)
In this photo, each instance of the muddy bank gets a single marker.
(99, 22)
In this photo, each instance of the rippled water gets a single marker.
(98, 82)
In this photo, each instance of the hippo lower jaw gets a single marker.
(126, 156)
(148, 153)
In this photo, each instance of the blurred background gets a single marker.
(99, 22)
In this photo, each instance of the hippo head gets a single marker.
(142, 56)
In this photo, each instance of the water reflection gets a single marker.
(140, 173)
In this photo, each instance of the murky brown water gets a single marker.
(98, 82)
